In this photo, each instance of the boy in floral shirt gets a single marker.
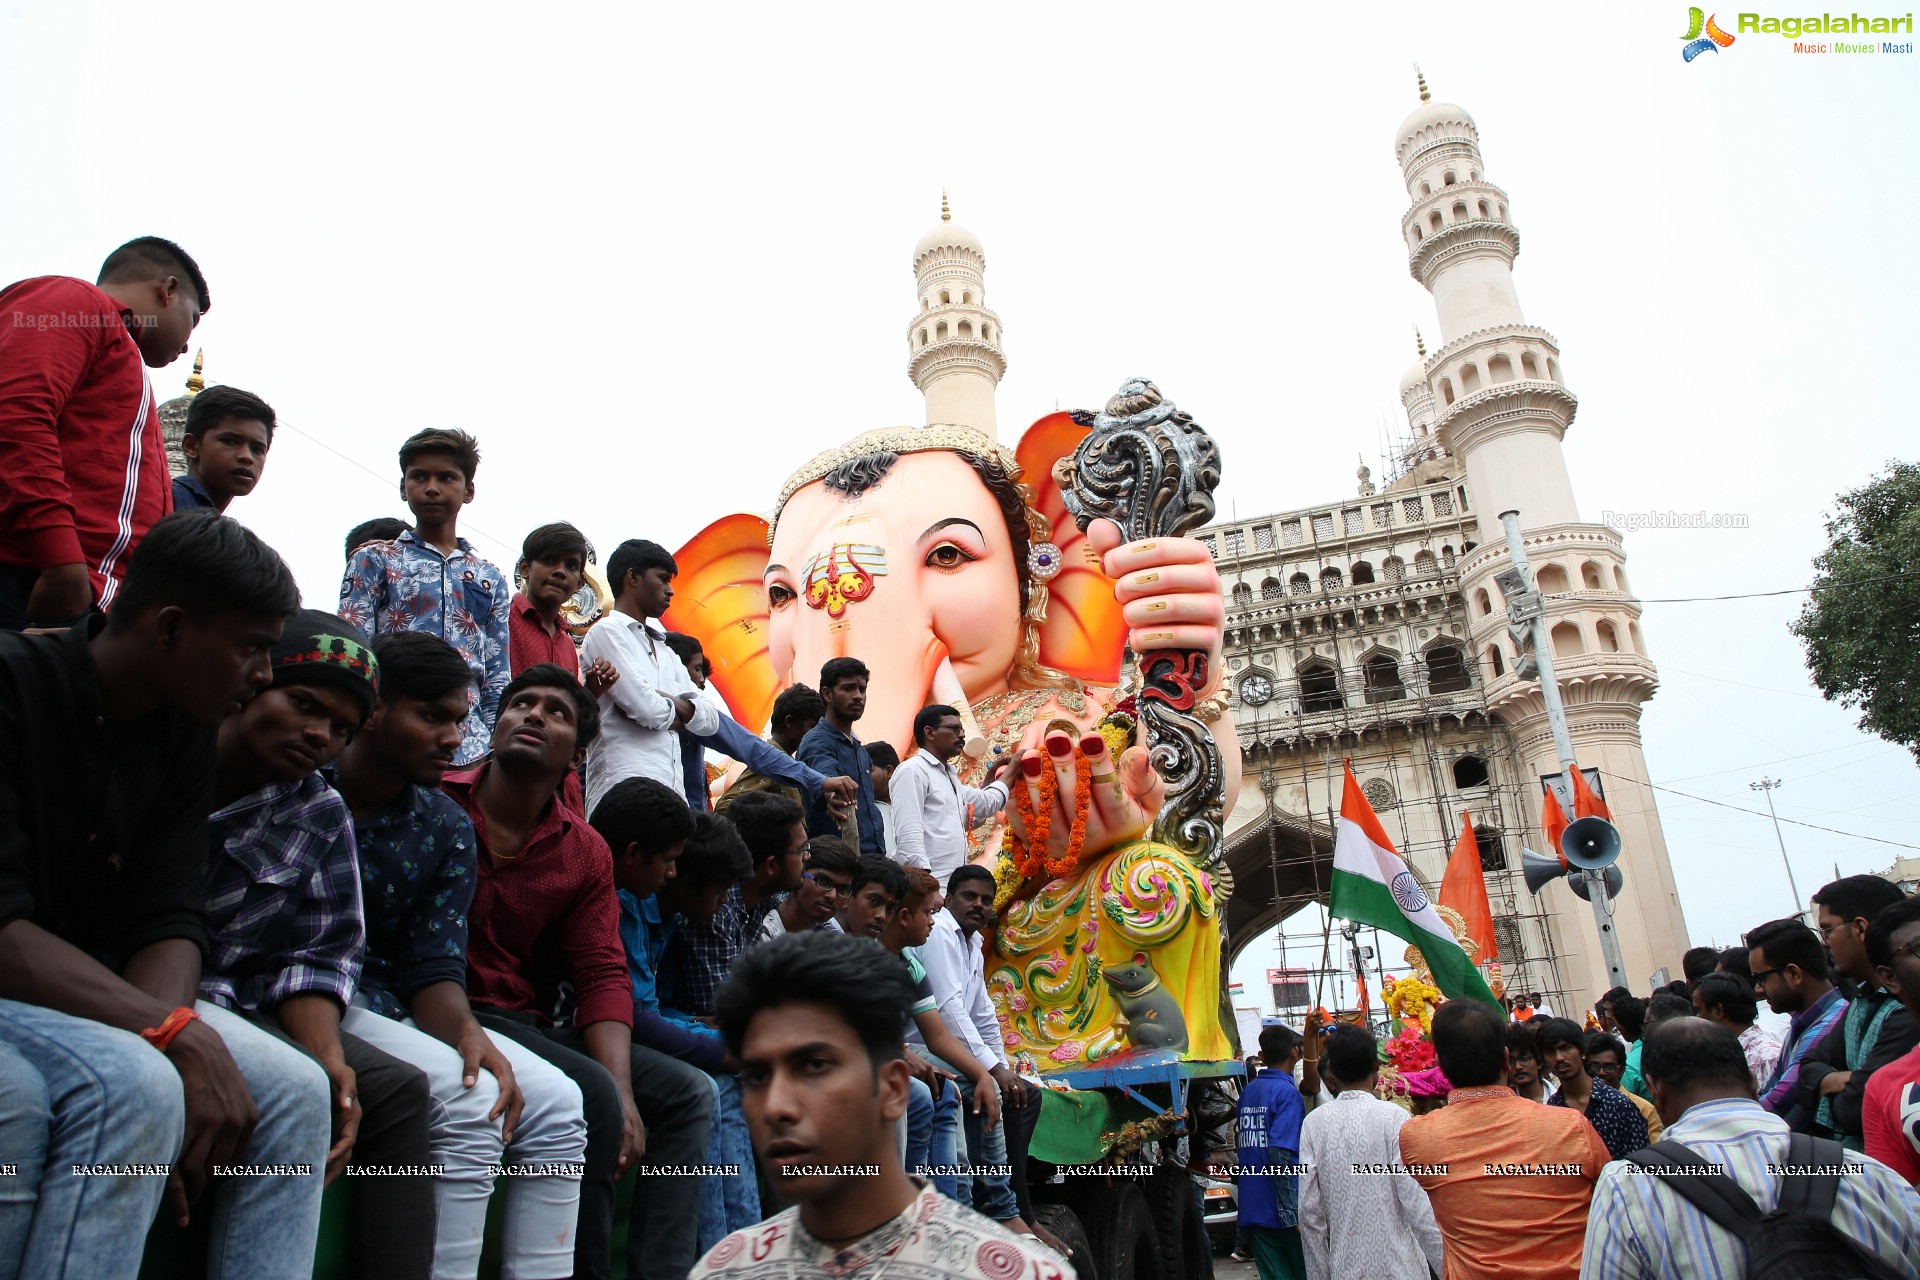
(430, 579)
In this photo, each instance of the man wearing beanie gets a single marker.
(283, 901)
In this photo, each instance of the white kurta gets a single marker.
(1362, 1223)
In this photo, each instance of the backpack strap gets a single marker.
(1812, 1194)
(1692, 1179)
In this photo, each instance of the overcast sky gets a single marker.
(654, 257)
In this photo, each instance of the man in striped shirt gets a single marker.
(1641, 1229)
(1790, 970)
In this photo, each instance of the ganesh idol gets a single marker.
(950, 566)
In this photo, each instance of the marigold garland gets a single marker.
(1030, 854)
(1411, 1000)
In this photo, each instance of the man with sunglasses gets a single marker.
(1790, 970)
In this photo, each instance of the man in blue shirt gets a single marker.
(831, 749)
(1271, 1111)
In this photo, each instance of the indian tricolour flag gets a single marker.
(1371, 885)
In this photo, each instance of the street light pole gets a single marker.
(1766, 787)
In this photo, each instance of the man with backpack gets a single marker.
(1777, 1204)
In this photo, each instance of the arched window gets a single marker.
(1494, 660)
(986, 331)
(1567, 642)
(1592, 577)
(1424, 565)
(1473, 175)
(1446, 389)
(1551, 579)
(1319, 687)
(1449, 179)
(1470, 771)
(1362, 574)
(1435, 221)
(1242, 594)
(966, 299)
(945, 297)
(1395, 568)
(1500, 369)
(940, 331)
(1608, 637)
(1270, 589)
(1633, 638)
(1469, 379)
(1381, 675)
(1528, 365)
(966, 328)
(1300, 584)
(1447, 556)
(1416, 236)
(1330, 579)
(1447, 669)
(1426, 188)
(1459, 210)
(923, 337)
(1484, 602)
(1620, 582)
(1484, 211)
(1503, 212)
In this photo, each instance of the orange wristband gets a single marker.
(162, 1036)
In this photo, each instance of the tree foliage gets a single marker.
(1861, 625)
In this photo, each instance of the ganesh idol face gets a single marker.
(915, 573)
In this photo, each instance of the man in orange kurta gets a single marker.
(1510, 1180)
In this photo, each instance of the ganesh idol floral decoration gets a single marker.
(954, 568)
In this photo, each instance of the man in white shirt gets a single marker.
(1360, 1213)
(932, 809)
(953, 956)
(654, 695)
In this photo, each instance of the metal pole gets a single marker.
(1766, 787)
(1562, 741)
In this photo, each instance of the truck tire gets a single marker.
(1064, 1223)
(1126, 1245)
(1185, 1248)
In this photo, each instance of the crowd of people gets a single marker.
(419, 894)
(422, 894)
(1671, 1138)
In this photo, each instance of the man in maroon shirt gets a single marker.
(544, 910)
(552, 569)
(83, 467)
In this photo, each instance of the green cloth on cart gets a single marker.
(1071, 1122)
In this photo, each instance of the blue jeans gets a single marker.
(265, 1228)
(992, 1192)
(728, 1203)
(933, 1136)
(77, 1092)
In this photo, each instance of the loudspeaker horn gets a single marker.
(1592, 843)
(1611, 876)
(1540, 870)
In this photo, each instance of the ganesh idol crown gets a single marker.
(1044, 590)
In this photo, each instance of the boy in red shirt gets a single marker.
(1890, 1111)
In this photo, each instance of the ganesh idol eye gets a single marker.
(778, 594)
(949, 556)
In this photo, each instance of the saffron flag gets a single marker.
(1553, 820)
(1465, 890)
(1371, 885)
(1585, 803)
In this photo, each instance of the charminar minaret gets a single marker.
(953, 341)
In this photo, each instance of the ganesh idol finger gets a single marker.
(1167, 580)
(1157, 610)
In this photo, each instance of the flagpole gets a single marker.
(1526, 609)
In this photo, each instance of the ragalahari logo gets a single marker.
(1698, 21)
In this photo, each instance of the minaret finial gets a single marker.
(946, 214)
(1419, 342)
(1419, 75)
(195, 383)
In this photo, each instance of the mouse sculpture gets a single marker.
(1151, 1016)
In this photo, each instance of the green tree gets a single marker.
(1861, 625)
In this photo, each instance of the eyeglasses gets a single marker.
(831, 887)
(1826, 930)
(1911, 949)
(1764, 973)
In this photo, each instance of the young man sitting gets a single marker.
(824, 885)
(430, 579)
(1563, 1047)
(107, 1054)
(544, 911)
(817, 1021)
(494, 1103)
(226, 440)
(703, 951)
(674, 869)
(283, 899)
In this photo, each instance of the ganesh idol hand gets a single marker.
(1122, 796)
(1169, 593)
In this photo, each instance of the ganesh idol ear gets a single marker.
(1084, 633)
(719, 598)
